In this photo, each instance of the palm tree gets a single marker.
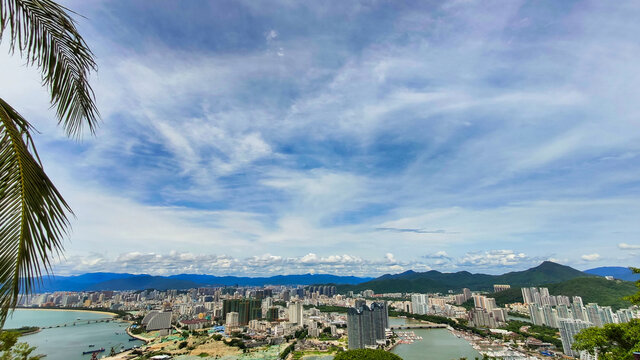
(33, 214)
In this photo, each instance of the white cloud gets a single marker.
(590, 257)
(271, 35)
(175, 262)
(494, 258)
(625, 246)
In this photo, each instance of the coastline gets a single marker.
(146, 341)
(78, 310)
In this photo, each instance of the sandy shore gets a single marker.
(78, 310)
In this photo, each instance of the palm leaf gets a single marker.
(33, 213)
(33, 218)
(45, 34)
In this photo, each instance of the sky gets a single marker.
(258, 138)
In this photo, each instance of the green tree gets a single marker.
(11, 349)
(33, 214)
(366, 354)
(613, 341)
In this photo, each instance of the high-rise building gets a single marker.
(295, 311)
(594, 314)
(607, 315)
(537, 316)
(550, 316)
(232, 319)
(467, 294)
(498, 288)
(366, 325)
(247, 309)
(563, 312)
(624, 315)
(568, 329)
(483, 302)
(272, 314)
(419, 303)
(527, 297)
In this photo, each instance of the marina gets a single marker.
(429, 343)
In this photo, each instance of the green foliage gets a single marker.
(635, 298)
(287, 350)
(366, 354)
(542, 333)
(328, 308)
(612, 341)
(24, 330)
(11, 349)
(33, 213)
(301, 334)
(236, 342)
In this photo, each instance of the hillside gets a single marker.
(617, 272)
(591, 289)
(435, 281)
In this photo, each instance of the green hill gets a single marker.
(591, 289)
(435, 281)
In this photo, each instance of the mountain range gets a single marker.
(435, 281)
(124, 281)
(409, 281)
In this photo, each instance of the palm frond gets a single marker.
(45, 34)
(33, 217)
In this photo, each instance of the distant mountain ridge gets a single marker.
(124, 281)
(617, 272)
(408, 281)
(435, 281)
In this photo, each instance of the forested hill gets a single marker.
(434, 281)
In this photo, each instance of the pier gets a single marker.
(79, 322)
(418, 326)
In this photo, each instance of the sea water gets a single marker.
(68, 342)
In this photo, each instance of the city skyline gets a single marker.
(348, 138)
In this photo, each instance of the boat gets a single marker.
(92, 351)
(91, 345)
(133, 339)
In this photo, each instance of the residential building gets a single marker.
(366, 325)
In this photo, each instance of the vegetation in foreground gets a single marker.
(613, 341)
(366, 354)
(11, 349)
(34, 214)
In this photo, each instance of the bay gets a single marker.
(68, 342)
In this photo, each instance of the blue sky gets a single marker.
(362, 138)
